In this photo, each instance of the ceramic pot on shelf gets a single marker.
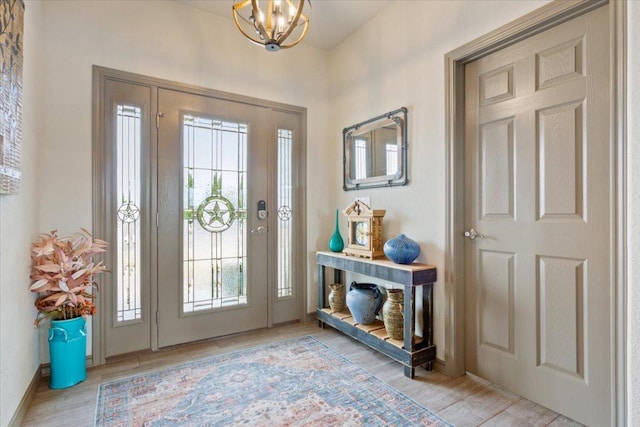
(337, 297)
(401, 249)
(393, 314)
(364, 301)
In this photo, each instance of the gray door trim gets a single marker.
(535, 22)
(100, 74)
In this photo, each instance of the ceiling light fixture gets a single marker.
(271, 26)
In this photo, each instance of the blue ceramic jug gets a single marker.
(364, 301)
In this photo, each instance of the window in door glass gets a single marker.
(285, 214)
(128, 178)
(214, 213)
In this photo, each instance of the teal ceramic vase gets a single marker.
(67, 350)
(336, 244)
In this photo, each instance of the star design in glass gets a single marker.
(216, 214)
(128, 212)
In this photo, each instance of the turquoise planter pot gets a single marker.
(67, 350)
(336, 244)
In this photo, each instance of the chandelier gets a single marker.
(270, 26)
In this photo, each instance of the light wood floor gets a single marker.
(464, 401)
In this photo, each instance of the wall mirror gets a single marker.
(375, 152)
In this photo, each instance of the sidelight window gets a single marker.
(128, 178)
(285, 214)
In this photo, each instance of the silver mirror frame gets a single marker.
(399, 119)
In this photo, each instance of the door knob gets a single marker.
(260, 230)
(472, 234)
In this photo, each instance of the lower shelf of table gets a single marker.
(375, 336)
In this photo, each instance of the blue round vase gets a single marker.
(401, 249)
(364, 301)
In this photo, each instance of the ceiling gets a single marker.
(330, 21)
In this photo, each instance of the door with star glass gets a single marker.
(213, 181)
(201, 196)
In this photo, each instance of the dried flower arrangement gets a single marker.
(62, 273)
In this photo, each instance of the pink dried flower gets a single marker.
(62, 273)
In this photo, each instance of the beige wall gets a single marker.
(19, 349)
(162, 39)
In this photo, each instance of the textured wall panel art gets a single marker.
(11, 31)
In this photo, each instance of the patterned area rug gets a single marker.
(298, 382)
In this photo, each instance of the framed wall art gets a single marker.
(11, 33)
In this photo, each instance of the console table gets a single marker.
(412, 351)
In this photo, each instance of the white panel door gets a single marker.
(538, 176)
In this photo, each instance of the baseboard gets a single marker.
(438, 366)
(41, 374)
(27, 398)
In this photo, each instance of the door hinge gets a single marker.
(157, 316)
(158, 115)
(157, 219)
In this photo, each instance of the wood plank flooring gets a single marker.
(464, 401)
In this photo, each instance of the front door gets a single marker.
(538, 268)
(212, 236)
(201, 195)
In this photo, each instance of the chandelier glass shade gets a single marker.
(274, 24)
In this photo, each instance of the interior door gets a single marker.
(537, 259)
(212, 238)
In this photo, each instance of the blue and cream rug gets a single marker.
(298, 382)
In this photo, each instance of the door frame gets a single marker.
(100, 74)
(553, 13)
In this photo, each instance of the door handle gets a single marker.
(260, 230)
(472, 234)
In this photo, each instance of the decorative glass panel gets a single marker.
(129, 135)
(214, 213)
(285, 223)
(11, 53)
